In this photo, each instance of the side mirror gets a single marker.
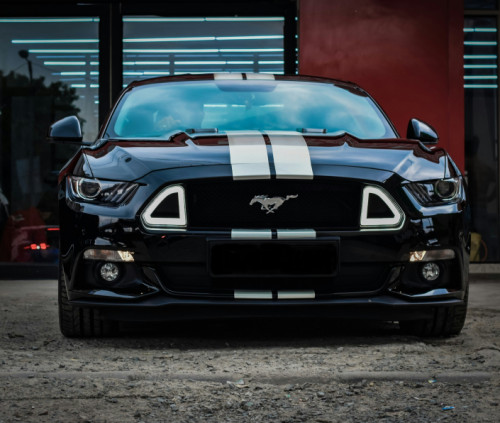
(66, 130)
(418, 130)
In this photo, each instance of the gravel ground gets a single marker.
(279, 371)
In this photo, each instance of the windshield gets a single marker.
(157, 110)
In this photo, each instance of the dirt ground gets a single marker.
(279, 371)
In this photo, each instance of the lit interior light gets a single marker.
(480, 43)
(247, 19)
(251, 50)
(166, 39)
(151, 73)
(221, 19)
(480, 66)
(73, 73)
(240, 62)
(480, 77)
(271, 62)
(146, 63)
(78, 86)
(48, 20)
(59, 56)
(170, 51)
(480, 86)
(57, 63)
(62, 50)
(57, 41)
(480, 56)
(163, 19)
(200, 62)
(250, 37)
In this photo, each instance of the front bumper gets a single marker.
(165, 308)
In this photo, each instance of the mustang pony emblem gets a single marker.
(270, 204)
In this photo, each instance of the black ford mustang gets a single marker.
(229, 195)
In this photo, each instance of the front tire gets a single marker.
(78, 322)
(447, 321)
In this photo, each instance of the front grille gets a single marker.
(193, 279)
(322, 203)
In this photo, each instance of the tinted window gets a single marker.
(157, 110)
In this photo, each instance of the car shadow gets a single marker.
(256, 333)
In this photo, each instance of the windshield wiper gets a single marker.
(202, 131)
(312, 130)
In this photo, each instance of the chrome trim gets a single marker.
(296, 295)
(296, 234)
(291, 155)
(251, 234)
(248, 155)
(269, 205)
(160, 222)
(252, 295)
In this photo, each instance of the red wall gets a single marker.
(407, 54)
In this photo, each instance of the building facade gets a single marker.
(436, 61)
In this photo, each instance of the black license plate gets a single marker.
(273, 258)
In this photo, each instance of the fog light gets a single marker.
(430, 271)
(109, 272)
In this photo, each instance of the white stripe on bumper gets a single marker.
(253, 295)
(296, 295)
(296, 234)
(251, 234)
(291, 155)
(248, 154)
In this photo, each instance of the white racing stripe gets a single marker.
(291, 155)
(228, 75)
(296, 234)
(251, 234)
(253, 295)
(248, 154)
(296, 295)
(259, 76)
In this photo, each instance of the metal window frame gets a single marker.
(496, 14)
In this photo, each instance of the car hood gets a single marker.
(132, 159)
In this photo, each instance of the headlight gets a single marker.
(437, 193)
(106, 193)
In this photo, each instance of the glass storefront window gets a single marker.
(481, 134)
(157, 46)
(480, 4)
(48, 70)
